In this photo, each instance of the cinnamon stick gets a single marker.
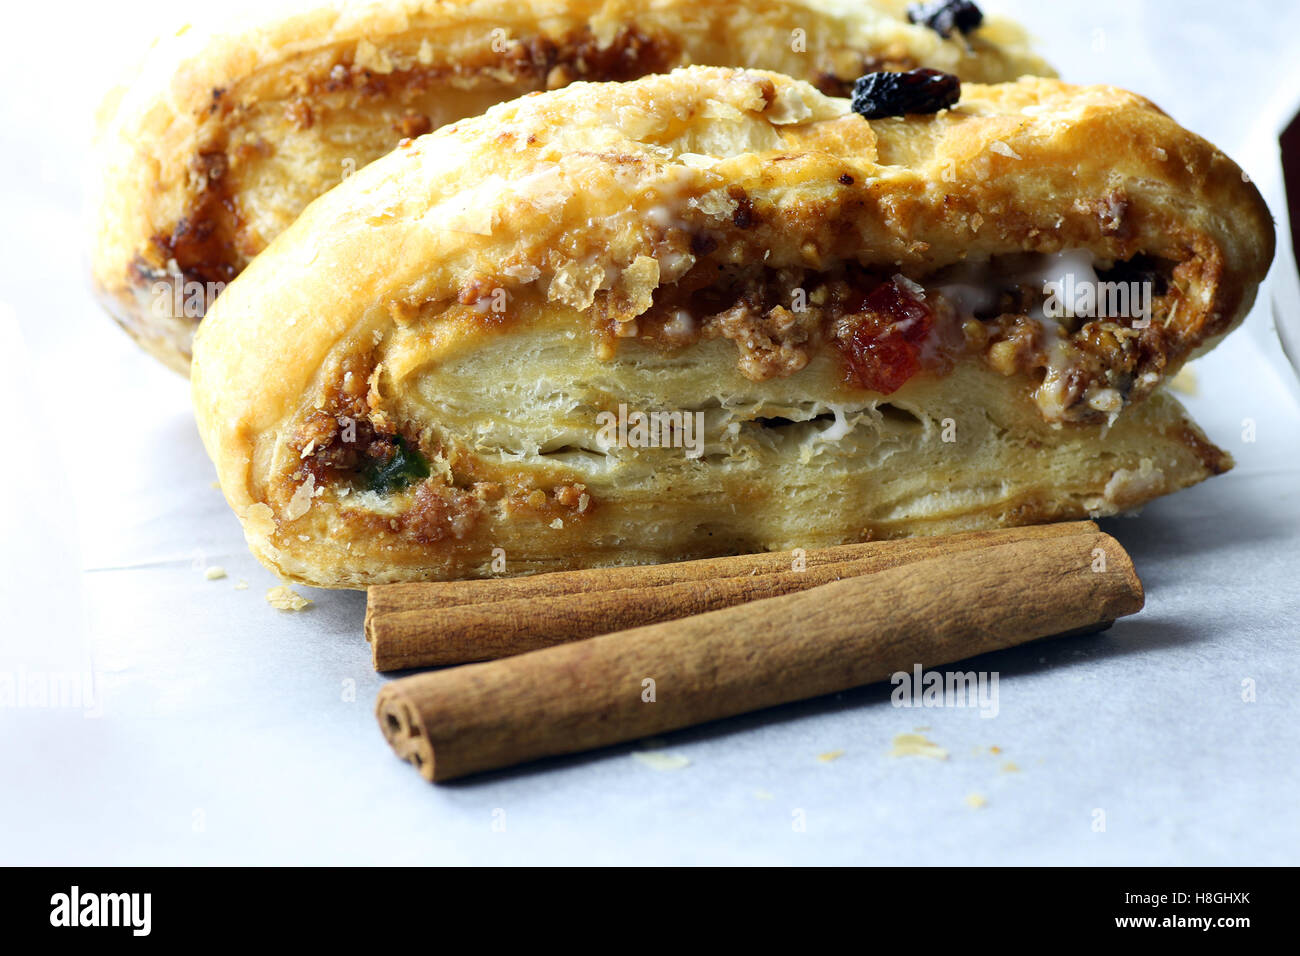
(855, 631)
(389, 598)
(439, 623)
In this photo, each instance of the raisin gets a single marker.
(944, 16)
(897, 94)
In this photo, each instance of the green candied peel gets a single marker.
(406, 465)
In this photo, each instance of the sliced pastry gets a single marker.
(717, 311)
(222, 139)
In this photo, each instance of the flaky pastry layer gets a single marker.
(462, 313)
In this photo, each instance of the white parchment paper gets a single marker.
(214, 729)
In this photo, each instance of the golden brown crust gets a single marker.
(222, 140)
(583, 211)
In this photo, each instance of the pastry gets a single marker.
(222, 139)
(716, 311)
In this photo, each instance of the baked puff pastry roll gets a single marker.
(717, 311)
(222, 139)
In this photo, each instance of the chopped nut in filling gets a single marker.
(1089, 340)
(395, 476)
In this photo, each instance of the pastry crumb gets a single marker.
(915, 745)
(1003, 149)
(1185, 381)
(830, 755)
(1010, 767)
(762, 795)
(657, 760)
(301, 500)
(214, 573)
(241, 585)
(285, 598)
(976, 800)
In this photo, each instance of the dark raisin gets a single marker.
(944, 16)
(743, 217)
(702, 244)
(897, 94)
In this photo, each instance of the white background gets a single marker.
(223, 731)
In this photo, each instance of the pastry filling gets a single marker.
(1038, 316)
(400, 477)
(1089, 336)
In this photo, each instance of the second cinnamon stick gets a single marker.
(513, 616)
(382, 599)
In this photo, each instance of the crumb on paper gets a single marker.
(976, 800)
(762, 795)
(830, 755)
(658, 760)
(1010, 767)
(915, 745)
(995, 750)
(215, 573)
(241, 585)
(286, 598)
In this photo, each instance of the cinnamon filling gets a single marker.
(1089, 340)
(399, 477)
